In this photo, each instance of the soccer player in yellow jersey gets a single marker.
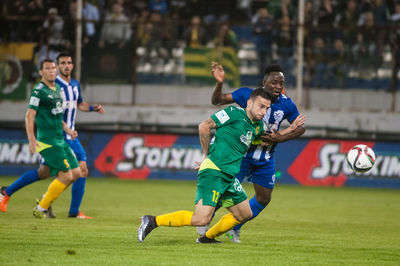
(45, 110)
(235, 128)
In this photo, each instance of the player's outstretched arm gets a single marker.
(86, 107)
(219, 98)
(295, 130)
(30, 132)
(72, 133)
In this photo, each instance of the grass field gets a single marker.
(302, 225)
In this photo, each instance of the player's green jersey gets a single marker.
(234, 134)
(48, 105)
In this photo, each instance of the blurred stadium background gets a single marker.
(148, 63)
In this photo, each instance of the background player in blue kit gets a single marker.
(258, 164)
(72, 101)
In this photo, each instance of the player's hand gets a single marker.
(298, 122)
(74, 134)
(197, 166)
(272, 137)
(32, 146)
(98, 108)
(218, 72)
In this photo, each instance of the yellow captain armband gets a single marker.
(256, 142)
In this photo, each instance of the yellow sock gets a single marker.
(54, 190)
(226, 223)
(175, 219)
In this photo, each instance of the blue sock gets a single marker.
(77, 191)
(24, 180)
(256, 208)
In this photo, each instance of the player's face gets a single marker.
(49, 72)
(258, 108)
(275, 83)
(65, 66)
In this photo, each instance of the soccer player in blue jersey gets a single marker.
(258, 165)
(72, 101)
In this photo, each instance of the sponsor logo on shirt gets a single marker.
(69, 104)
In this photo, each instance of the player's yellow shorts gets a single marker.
(59, 158)
(215, 187)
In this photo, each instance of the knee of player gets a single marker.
(244, 216)
(84, 171)
(76, 173)
(43, 172)
(68, 177)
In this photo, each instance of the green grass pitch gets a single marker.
(302, 226)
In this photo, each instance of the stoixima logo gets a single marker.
(136, 155)
(323, 163)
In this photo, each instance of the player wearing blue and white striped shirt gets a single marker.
(72, 102)
(258, 165)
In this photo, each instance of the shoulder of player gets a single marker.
(39, 86)
(233, 109)
(244, 90)
(38, 89)
(74, 82)
(283, 100)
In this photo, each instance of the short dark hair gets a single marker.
(47, 60)
(272, 68)
(63, 54)
(260, 91)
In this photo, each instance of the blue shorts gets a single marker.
(76, 148)
(260, 174)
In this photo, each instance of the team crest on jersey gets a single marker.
(58, 109)
(257, 130)
(278, 116)
(246, 139)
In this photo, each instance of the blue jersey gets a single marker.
(283, 108)
(71, 93)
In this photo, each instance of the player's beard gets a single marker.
(65, 74)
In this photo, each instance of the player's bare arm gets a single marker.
(30, 132)
(72, 133)
(204, 134)
(295, 130)
(86, 107)
(219, 98)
